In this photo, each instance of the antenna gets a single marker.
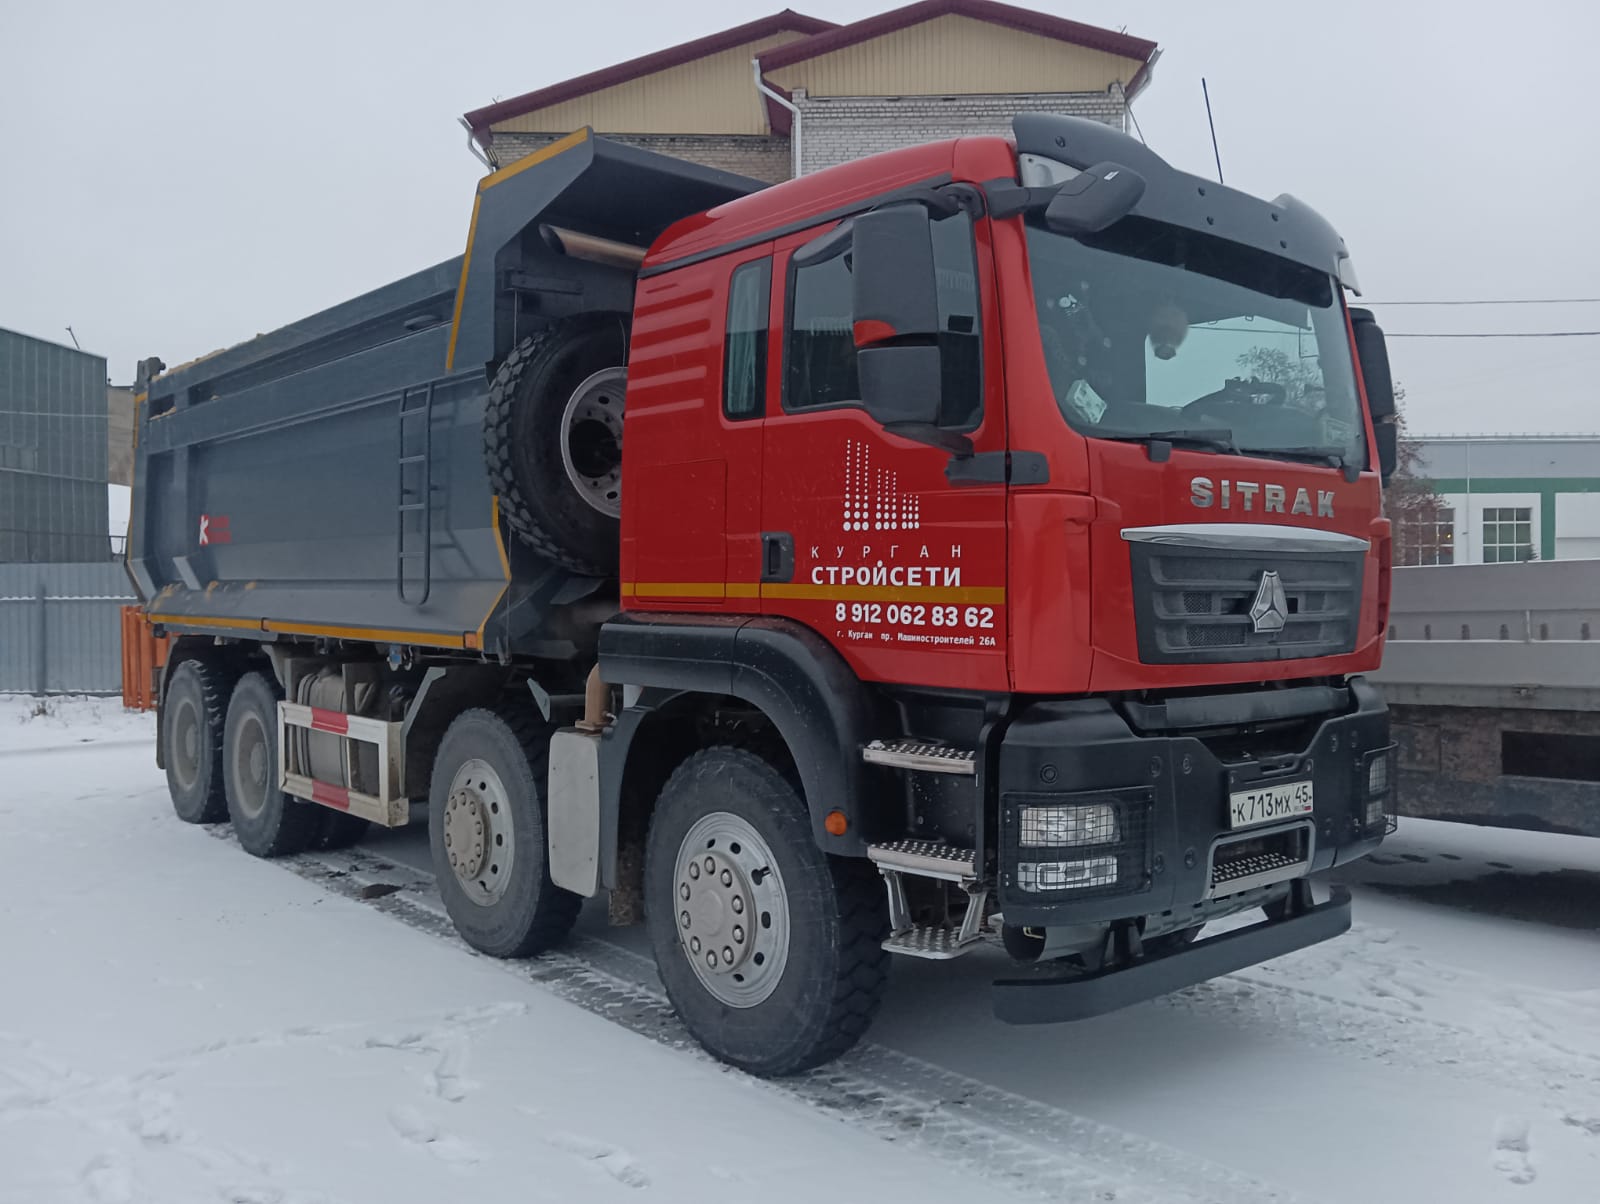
(75, 342)
(1207, 93)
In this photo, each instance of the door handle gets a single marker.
(777, 556)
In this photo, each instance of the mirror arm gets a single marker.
(1007, 198)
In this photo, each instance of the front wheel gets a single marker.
(770, 950)
(486, 826)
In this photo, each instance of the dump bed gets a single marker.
(328, 479)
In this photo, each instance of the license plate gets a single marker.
(1246, 808)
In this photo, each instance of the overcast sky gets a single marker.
(176, 176)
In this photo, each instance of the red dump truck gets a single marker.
(995, 555)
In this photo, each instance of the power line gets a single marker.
(1499, 301)
(1427, 334)
(1496, 334)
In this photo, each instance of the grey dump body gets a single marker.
(328, 478)
(1492, 674)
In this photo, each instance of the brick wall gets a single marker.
(762, 158)
(839, 128)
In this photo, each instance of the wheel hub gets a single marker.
(715, 904)
(258, 765)
(591, 439)
(464, 832)
(730, 909)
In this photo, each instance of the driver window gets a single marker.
(820, 351)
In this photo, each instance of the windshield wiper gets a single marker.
(1216, 438)
(1333, 457)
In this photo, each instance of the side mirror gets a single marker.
(1094, 199)
(895, 314)
(1372, 355)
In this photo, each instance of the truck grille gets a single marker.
(1192, 605)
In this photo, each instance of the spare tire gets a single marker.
(552, 434)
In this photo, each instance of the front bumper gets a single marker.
(1167, 770)
(1049, 998)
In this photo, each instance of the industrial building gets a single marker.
(53, 452)
(1508, 498)
(790, 94)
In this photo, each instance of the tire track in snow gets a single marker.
(1403, 1039)
(1032, 1148)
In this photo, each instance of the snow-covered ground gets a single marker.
(28, 723)
(180, 1022)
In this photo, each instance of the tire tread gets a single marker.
(215, 688)
(862, 968)
(556, 910)
(299, 822)
(498, 447)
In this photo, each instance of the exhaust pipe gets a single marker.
(593, 248)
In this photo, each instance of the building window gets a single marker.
(1507, 534)
(744, 356)
(1429, 536)
(821, 352)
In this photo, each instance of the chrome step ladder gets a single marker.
(929, 859)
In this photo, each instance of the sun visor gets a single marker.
(1286, 226)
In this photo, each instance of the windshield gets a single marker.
(1152, 330)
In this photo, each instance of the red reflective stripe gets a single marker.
(332, 796)
(872, 330)
(330, 721)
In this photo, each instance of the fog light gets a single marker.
(1378, 774)
(1066, 875)
(1374, 813)
(1091, 823)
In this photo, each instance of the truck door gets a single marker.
(890, 548)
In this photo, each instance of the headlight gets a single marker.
(1374, 813)
(1066, 875)
(1089, 823)
(1378, 774)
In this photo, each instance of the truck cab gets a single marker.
(1069, 465)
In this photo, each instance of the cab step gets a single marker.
(931, 944)
(929, 859)
(925, 756)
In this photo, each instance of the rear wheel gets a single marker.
(191, 733)
(770, 950)
(486, 826)
(268, 822)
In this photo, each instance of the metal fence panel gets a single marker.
(60, 631)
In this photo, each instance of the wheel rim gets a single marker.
(185, 747)
(730, 910)
(591, 440)
(250, 766)
(478, 832)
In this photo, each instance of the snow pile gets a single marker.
(64, 721)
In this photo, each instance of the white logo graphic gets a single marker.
(1270, 611)
(872, 497)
